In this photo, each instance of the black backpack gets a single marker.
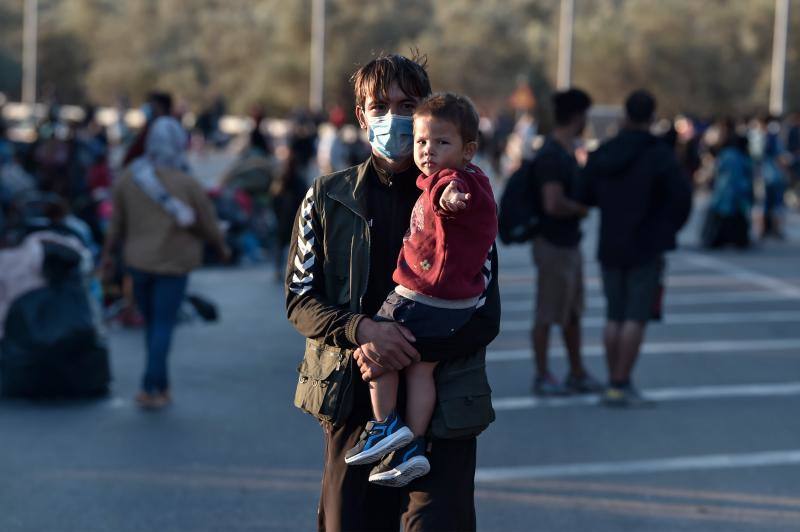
(518, 220)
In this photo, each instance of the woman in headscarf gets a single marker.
(161, 217)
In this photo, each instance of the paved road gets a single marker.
(720, 452)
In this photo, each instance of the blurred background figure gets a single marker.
(287, 191)
(243, 195)
(687, 145)
(773, 168)
(157, 104)
(793, 146)
(53, 345)
(161, 218)
(208, 123)
(644, 198)
(332, 149)
(302, 141)
(729, 214)
(519, 144)
(255, 164)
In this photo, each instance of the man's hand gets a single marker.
(386, 344)
(452, 199)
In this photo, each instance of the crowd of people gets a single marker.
(131, 202)
(642, 180)
(756, 163)
(743, 162)
(347, 254)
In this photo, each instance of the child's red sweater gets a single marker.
(443, 252)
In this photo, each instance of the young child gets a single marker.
(439, 280)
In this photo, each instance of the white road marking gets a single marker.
(744, 275)
(695, 318)
(708, 298)
(659, 394)
(661, 348)
(677, 281)
(118, 402)
(659, 465)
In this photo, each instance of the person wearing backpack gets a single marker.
(644, 198)
(556, 247)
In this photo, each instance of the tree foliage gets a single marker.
(701, 57)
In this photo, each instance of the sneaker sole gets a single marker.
(403, 473)
(399, 439)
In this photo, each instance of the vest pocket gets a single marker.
(325, 383)
(463, 399)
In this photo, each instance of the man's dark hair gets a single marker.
(640, 107)
(454, 108)
(161, 99)
(374, 78)
(570, 103)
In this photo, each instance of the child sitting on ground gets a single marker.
(439, 280)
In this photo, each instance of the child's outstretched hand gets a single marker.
(452, 199)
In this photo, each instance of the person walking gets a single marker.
(346, 240)
(162, 217)
(556, 248)
(644, 198)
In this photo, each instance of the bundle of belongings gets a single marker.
(51, 341)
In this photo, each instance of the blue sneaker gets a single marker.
(378, 440)
(402, 466)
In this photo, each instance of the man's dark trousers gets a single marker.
(441, 500)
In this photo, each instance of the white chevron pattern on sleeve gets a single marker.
(486, 270)
(304, 266)
(305, 258)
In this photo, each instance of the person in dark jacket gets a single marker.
(344, 249)
(644, 199)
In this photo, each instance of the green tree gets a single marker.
(702, 57)
(10, 51)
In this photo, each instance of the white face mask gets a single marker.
(392, 135)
